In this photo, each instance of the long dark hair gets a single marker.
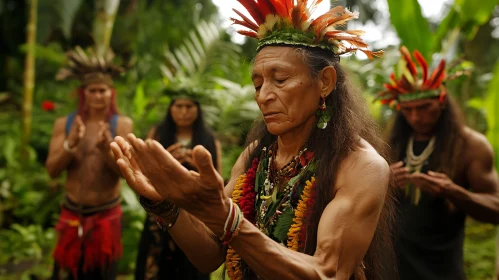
(166, 132)
(449, 140)
(350, 121)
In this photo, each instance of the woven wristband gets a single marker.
(158, 208)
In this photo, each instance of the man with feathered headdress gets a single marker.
(89, 228)
(445, 171)
(309, 196)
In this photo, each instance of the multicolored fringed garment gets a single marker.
(279, 203)
(88, 242)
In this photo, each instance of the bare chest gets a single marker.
(89, 156)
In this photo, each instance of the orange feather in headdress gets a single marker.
(410, 64)
(252, 8)
(437, 77)
(422, 63)
(293, 16)
(245, 22)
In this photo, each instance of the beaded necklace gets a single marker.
(415, 164)
(281, 215)
(274, 198)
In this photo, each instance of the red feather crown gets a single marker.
(411, 85)
(275, 22)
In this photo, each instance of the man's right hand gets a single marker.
(76, 133)
(400, 174)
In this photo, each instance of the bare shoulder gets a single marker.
(477, 145)
(60, 124)
(364, 169)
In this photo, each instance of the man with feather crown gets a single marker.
(89, 228)
(309, 197)
(444, 171)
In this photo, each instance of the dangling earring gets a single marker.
(322, 114)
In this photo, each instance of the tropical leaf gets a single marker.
(412, 27)
(283, 224)
(192, 68)
(191, 58)
(465, 16)
(139, 101)
(238, 108)
(66, 10)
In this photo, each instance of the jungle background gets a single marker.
(157, 38)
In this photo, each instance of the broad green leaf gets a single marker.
(412, 28)
(139, 100)
(283, 224)
(476, 103)
(67, 11)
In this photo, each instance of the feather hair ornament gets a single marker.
(288, 22)
(89, 67)
(409, 84)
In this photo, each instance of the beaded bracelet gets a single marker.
(68, 149)
(157, 208)
(165, 223)
(166, 212)
(235, 234)
(232, 223)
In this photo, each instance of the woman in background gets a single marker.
(181, 130)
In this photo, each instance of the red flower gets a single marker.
(48, 106)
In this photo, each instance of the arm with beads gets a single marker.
(203, 248)
(345, 229)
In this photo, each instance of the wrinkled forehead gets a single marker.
(276, 57)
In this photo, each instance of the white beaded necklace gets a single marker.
(413, 162)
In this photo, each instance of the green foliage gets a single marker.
(143, 32)
(133, 224)
(26, 251)
(492, 107)
(67, 11)
(283, 224)
(412, 28)
(479, 250)
(465, 16)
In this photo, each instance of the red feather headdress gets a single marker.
(411, 85)
(276, 22)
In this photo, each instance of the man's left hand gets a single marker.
(435, 183)
(104, 137)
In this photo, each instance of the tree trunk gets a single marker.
(29, 79)
(106, 11)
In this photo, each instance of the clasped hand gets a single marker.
(154, 173)
(435, 183)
